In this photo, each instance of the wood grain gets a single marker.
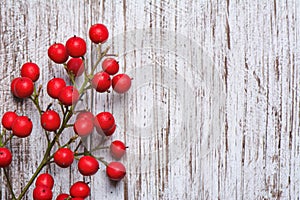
(214, 109)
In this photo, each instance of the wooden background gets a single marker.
(214, 109)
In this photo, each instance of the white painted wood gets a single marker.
(216, 122)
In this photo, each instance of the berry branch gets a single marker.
(71, 56)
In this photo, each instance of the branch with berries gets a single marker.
(71, 56)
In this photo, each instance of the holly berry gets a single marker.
(110, 66)
(77, 198)
(45, 180)
(76, 46)
(115, 171)
(8, 118)
(58, 53)
(68, 96)
(86, 114)
(30, 70)
(121, 83)
(104, 121)
(54, 86)
(22, 126)
(80, 189)
(63, 157)
(98, 33)
(117, 149)
(88, 165)
(83, 127)
(23, 87)
(5, 157)
(13, 85)
(50, 120)
(110, 131)
(101, 81)
(62, 196)
(42, 193)
(75, 66)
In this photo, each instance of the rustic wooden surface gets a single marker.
(223, 124)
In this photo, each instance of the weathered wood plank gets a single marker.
(183, 142)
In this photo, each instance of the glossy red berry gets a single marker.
(5, 157)
(121, 83)
(98, 33)
(58, 53)
(86, 114)
(110, 131)
(13, 85)
(45, 180)
(104, 121)
(117, 149)
(110, 66)
(76, 66)
(62, 196)
(88, 165)
(8, 119)
(23, 87)
(50, 120)
(80, 189)
(54, 86)
(30, 70)
(42, 193)
(76, 46)
(101, 81)
(64, 157)
(115, 171)
(83, 127)
(68, 96)
(22, 126)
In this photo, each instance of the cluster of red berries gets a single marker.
(71, 55)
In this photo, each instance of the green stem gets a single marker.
(44, 162)
(1, 137)
(8, 139)
(9, 184)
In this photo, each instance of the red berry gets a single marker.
(88, 165)
(101, 81)
(30, 70)
(54, 86)
(115, 171)
(76, 46)
(83, 127)
(104, 121)
(23, 87)
(121, 83)
(117, 149)
(68, 96)
(98, 33)
(58, 53)
(110, 131)
(62, 196)
(80, 189)
(63, 157)
(76, 66)
(86, 114)
(42, 193)
(45, 180)
(110, 66)
(13, 85)
(5, 157)
(77, 198)
(22, 126)
(50, 120)
(8, 119)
